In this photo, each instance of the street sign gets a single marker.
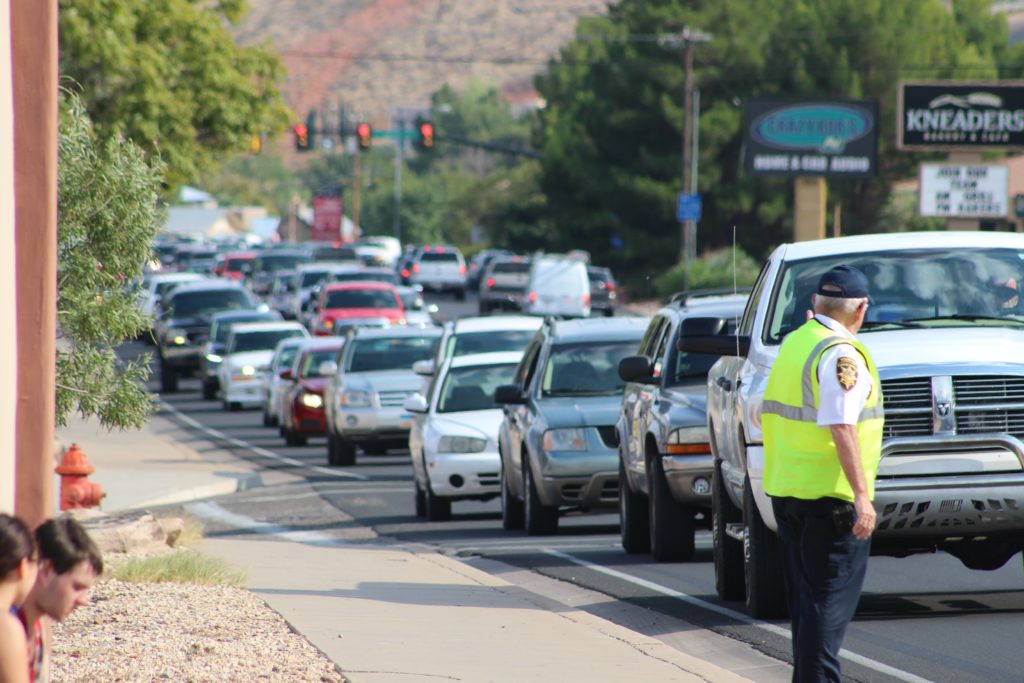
(327, 213)
(688, 207)
(964, 191)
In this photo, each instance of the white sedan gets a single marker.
(247, 355)
(454, 443)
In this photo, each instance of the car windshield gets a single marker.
(286, 357)
(220, 328)
(164, 287)
(235, 264)
(271, 263)
(912, 288)
(493, 341)
(311, 278)
(310, 363)
(396, 353)
(366, 277)
(260, 341)
(586, 369)
(335, 254)
(187, 305)
(473, 388)
(361, 298)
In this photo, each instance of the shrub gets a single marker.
(712, 270)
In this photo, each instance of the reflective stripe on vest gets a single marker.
(800, 457)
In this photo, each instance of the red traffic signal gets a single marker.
(302, 143)
(426, 137)
(364, 134)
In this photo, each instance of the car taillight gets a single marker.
(533, 297)
(405, 272)
(462, 270)
(490, 282)
(610, 286)
(416, 268)
(586, 299)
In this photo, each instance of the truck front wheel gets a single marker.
(728, 552)
(633, 521)
(762, 564)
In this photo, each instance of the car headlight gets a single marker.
(327, 324)
(461, 444)
(176, 336)
(565, 440)
(213, 358)
(248, 370)
(689, 441)
(312, 400)
(354, 399)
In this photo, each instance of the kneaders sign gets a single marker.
(833, 138)
(961, 115)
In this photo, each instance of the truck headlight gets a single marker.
(354, 399)
(312, 400)
(565, 440)
(461, 444)
(689, 441)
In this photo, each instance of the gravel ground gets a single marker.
(185, 633)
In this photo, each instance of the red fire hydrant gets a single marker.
(75, 491)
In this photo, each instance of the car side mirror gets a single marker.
(637, 369)
(416, 403)
(328, 368)
(509, 394)
(707, 335)
(424, 368)
(286, 374)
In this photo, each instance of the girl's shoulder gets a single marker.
(11, 627)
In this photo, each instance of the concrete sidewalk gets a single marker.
(387, 612)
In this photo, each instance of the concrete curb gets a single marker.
(243, 483)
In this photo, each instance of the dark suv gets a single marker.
(665, 460)
(184, 324)
(557, 440)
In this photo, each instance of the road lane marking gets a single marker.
(217, 513)
(880, 667)
(263, 452)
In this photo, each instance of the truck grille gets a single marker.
(393, 399)
(981, 405)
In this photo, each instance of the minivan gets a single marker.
(558, 287)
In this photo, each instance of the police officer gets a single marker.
(822, 425)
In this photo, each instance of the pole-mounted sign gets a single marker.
(958, 115)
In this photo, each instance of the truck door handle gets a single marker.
(724, 383)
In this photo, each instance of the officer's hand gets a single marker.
(866, 518)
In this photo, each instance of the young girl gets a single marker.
(17, 575)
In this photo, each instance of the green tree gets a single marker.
(612, 130)
(108, 215)
(169, 76)
(254, 180)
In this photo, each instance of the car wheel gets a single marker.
(633, 520)
(438, 509)
(762, 564)
(332, 447)
(484, 309)
(168, 378)
(209, 391)
(375, 448)
(511, 507)
(420, 498)
(728, 552)
(539, 519)
(672, 525)
(234, 406)
(291, 438)
(460, 294)
(608, 312)
(344, 452)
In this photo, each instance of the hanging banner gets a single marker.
(830, 138)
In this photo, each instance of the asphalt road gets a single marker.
(920, 618)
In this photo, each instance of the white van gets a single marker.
(559, 287)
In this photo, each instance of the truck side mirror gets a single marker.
(509, 394)
(707, 335)
(637, 369)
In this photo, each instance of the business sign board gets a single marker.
(955, 191)
(833, 138)
(942, 116)
(327, 212)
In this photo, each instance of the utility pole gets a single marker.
(399, 144)
(358, 182)
(686, 40)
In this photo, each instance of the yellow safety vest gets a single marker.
(800, 458)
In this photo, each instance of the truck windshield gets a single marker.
(912, 288)
(586, 369)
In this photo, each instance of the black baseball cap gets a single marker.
(844, 282)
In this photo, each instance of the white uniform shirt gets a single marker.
(838, 404)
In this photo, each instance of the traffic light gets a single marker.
(302, 143)
(425, 138)
(256, 143)
(364, 134)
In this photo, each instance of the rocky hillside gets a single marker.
(372, 55)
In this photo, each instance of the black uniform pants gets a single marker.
(825, 566)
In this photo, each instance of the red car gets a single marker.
(235, 265)
(302, 414)
(367, 302)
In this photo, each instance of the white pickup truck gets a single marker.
(946, 330)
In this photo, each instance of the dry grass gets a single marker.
(180, 566)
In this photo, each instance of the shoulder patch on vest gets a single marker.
(846, 372)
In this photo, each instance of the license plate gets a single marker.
(405, 421)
